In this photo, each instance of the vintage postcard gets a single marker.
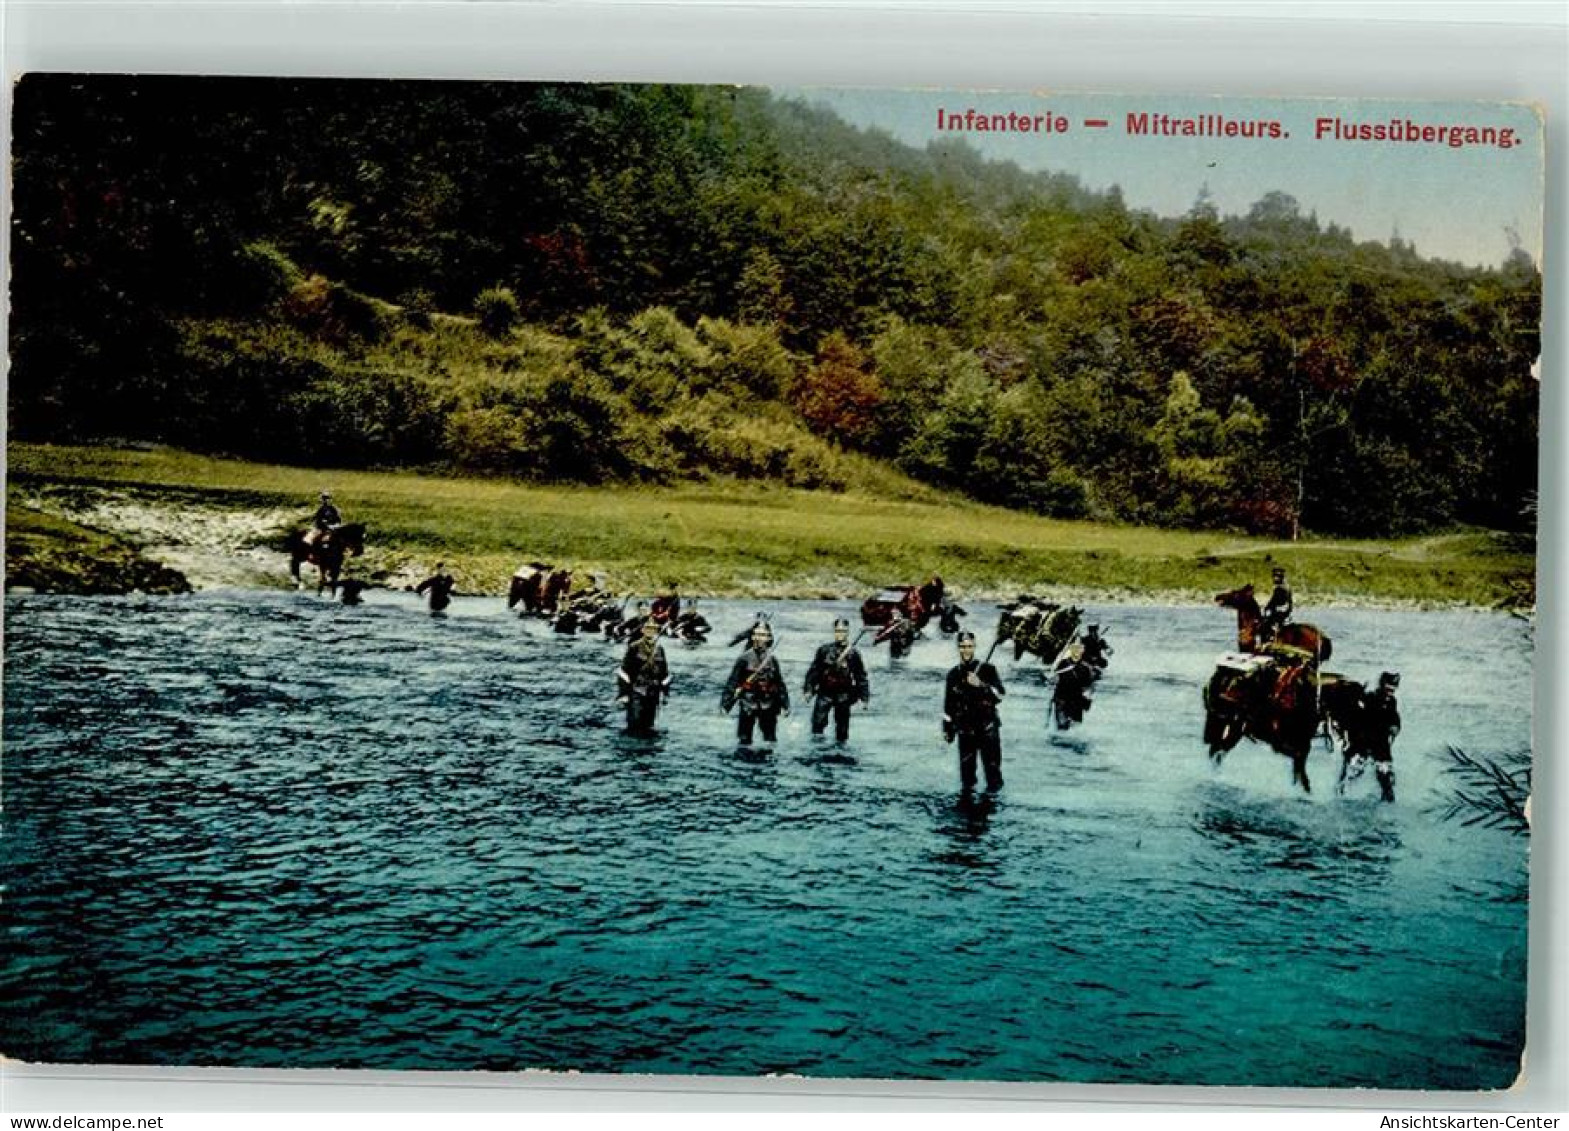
(722, 581)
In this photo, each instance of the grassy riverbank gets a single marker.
(738, 539)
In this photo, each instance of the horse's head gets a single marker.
(1239, 598)
(351, 538)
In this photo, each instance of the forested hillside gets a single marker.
(615, 283)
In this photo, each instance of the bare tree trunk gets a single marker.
(1302, 452)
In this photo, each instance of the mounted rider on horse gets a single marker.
(324, 523)
(325, 544)
(1271, 688)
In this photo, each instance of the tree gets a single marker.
(839, 396)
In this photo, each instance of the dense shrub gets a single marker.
(489, 438)
(261, 276)
(497, 310)
(333, 313)
(745, 360)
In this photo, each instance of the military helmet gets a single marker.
(1389, 679)
(840, 622)
(966, 638)
(1278, 573)
(325, 496)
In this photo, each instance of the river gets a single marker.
(255, 828)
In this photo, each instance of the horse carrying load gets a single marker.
(879, 609)
(1278, 697)
(1037, 626)
(540, 588)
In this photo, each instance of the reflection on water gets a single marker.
(261, 829)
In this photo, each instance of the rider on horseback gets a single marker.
(323, 522)
(1278, 611)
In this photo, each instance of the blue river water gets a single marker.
(261, 829)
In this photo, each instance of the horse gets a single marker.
(1041, 628)
(556, 586)
(526, 584)
(877, 611)
(1281, 704)
(326, 554)
(1305, 638)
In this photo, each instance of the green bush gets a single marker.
(579, 431)
(418, 305)
(333, 312)
(497, 310)
(746, 360)
(488, 439)
(361, 416)
(262, 276)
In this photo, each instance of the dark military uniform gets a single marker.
(692, 625)
(757, 684)
(1381, 721)
(439, 587)
(948, 617)
(326, 517)
(642, 681)
(970, 715)
(1278, 611)
(1096, 650)
(900, 634)
(323, 522)
(1070, 698)
(629, 628)
(837, 678)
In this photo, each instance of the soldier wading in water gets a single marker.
(643, 679)
(970, 715)
(757, 684)
(838, 678)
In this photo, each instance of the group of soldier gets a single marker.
(836, 680)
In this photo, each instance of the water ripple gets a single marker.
(261, 829)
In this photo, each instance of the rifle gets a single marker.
(645, 653)
(995, 641)
(1052, 670)
(757, 671)
(761, 664)
(845, 651)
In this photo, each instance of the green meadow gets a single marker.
(731, 539)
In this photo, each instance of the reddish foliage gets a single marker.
(838, 396)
